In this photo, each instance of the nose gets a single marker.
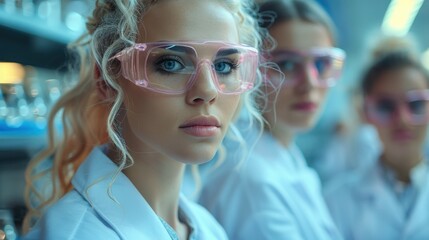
(308, 78)
(203, 89)
(402, 116)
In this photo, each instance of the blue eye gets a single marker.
(385, 108)
(322, 64)
(287, 65)
(417, 107)
(224, 67)
(170, 65)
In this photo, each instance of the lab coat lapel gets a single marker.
(124, 209)
(419, 217)
(309, 207)
(379, 201)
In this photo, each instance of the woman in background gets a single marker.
(273, 194)
(389, 199)
(158, 90)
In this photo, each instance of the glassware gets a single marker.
(18, 109)
(6, 225)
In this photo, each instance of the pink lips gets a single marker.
(305, 106)
(402, 135)
(201, 126)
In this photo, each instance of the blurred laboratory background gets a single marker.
(33, 64)
(33, 74)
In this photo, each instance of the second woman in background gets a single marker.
(274, 194)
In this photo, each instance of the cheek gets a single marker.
(147, 111)
(229, 105)
(321, 93)
(383, 132)
(283, 99)
(227, 109)
(284, 96)
(421, 132)
(138, 104)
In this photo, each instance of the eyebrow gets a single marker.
(226, 52)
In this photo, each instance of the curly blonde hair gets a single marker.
(87, 119)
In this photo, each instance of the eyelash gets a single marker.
(233, 63)
(167, 58)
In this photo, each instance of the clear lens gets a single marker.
(418, 107)
(325, 64)
(385, 110)
(168, 67)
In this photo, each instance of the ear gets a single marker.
(104, 90)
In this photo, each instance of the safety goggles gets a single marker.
(324, 66)
(386, 109)
(173, 67)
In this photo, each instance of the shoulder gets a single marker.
(350, 182)
(71, 218)
(345, 196)
(343, 186)
(244, 189)
(262, 175)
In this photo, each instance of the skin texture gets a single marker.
(151, 122)
(402, 142)
(287, 118)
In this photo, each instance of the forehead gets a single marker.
(399, 81)
(171, 20)
(300, 35)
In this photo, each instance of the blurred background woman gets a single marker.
(389, 199)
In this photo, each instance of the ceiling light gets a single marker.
(400, 16)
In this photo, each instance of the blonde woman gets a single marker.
(158, 90)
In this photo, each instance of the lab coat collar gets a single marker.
(419, 215)
(291, 156)
(374, 192)
(123, 208)
(417, 175)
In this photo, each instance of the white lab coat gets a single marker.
(89, 212)
(273, 195)
(365, 207)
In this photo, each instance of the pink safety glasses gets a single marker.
(322, 65)
(173, 67)
(386, 109)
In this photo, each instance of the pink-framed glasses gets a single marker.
(173, 67)
(324, 65)
(386, 109)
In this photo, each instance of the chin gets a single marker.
(198, 155)
(303, 125)
(405, 145)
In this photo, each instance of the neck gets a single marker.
(282, 133)
(284, 136)
(402, 164)
(158, 180)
